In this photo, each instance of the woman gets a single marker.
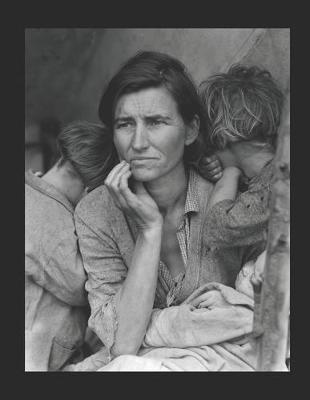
(141, 235)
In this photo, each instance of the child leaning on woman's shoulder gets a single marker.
(244, 110)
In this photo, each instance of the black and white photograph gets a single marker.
(157, 199)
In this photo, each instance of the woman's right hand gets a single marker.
(138, 205)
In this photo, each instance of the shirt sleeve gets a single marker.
(239, 222)
(62, 273)
(106, 273)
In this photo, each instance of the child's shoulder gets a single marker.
(264, 179)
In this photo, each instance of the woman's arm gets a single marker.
(136, 297)
(120, 295)
(121, 298)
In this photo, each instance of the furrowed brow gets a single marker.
(158, 116)
(122, 119)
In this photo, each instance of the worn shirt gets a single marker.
(243, 221)
(170, 284)
(56, 310)
(107, 239)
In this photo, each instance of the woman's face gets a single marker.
(149, 133)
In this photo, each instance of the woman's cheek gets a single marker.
(176, 147)
(120, 147)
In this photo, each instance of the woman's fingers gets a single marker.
(118, 186)
(113, 183)
(129, 197)
(113, 179)
(210, 299)
(139, 204)
(205, 304)
(203, 297)
(117, 178)
(114, 173)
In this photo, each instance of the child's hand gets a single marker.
(211, 168)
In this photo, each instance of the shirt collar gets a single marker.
(44, 187)
(191, 203)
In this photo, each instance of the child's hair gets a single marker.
(88, 149)
(243, 104)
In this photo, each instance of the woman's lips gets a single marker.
(140, 161)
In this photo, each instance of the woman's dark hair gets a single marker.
(88, 148)
(243, 104)
(150, 69)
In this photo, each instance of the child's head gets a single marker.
(243, 104)
(86, 147)
(251, 273)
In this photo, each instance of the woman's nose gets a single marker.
(140, 138)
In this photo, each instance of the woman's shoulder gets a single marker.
(98, 205)
(201, 183)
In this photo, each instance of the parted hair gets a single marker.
(241, 105)
(148, 69)
(88, 149)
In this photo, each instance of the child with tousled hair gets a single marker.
(243, 107)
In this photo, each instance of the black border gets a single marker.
(13, 187)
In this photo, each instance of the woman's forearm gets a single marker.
(137, 294)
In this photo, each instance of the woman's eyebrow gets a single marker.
(158, 116)
(122, 119)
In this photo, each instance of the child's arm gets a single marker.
(236, 219)
(226, 187)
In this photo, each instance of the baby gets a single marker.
(251, 273)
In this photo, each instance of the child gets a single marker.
(244, 110)
(56, 307)
(251, 273)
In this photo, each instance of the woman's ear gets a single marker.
(192, 131)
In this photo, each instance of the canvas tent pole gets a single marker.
(271, 316)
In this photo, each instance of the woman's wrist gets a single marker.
(152, 232)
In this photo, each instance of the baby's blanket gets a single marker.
(190, 338)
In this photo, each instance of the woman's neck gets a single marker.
(169, 191)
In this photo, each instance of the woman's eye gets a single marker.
(156, 122)
(123, 125)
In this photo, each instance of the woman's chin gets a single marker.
(142, 175)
